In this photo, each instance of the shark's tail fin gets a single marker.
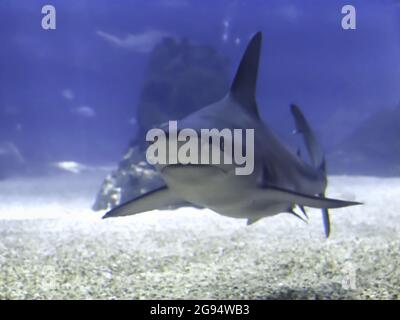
(326, 221)
(312, 145)
(316, 155)
(243, 87)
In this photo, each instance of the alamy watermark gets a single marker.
(349, 18)
(209, 146)
(49, 18)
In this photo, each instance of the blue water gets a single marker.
(72, 93)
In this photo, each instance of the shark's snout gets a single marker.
(179, 166)
(188, 173)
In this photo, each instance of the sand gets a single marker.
(52, 246)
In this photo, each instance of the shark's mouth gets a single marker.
(191, 166)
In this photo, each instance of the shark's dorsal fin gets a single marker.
(243, 87)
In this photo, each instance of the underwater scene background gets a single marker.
(77, 100)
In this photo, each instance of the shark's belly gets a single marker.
(250, 206)
(229, 195)
(210, 187)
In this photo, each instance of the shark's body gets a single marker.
(279, 182)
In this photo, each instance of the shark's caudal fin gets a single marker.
(326, 221)
(243, 87)
(312, 145)
(156, 199)
(316, 156)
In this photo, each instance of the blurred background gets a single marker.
(82, 92)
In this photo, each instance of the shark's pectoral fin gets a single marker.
(156, 199)
(287, 196)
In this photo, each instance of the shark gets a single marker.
(281, 181)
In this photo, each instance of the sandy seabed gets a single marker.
(52, 246)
